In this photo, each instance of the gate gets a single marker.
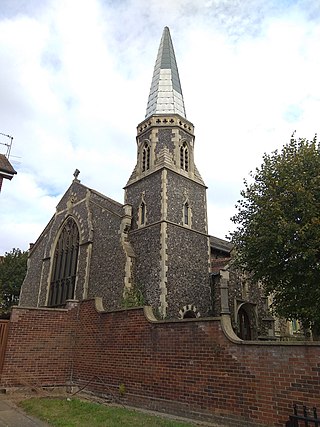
(4, 328)
(304, 419)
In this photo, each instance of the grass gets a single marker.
(78, 413)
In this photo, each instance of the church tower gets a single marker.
(169, 232)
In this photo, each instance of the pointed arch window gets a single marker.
(145, 157)
(142, 213)
(186, 213)
(184, 157)
(63, 278)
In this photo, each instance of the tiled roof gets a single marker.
(221, 244)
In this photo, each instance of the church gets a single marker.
(83, 323)
(154, 249)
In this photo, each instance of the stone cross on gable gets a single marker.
(76, 174)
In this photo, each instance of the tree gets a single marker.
(13, 269)
(277, 238)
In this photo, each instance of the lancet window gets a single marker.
(146, 157)
(184, 157)
(65, 260)
(142, 213)
(186, 213)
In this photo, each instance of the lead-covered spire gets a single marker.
(165, 93)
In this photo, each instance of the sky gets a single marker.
(74, 84)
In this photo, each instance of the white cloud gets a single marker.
(74, 86)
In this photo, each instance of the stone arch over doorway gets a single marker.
(189, 311)
(247, 321)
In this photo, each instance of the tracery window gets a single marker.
(184, 157)
(64, 270)
(145, 157)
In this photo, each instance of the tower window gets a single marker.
(142, 213)
(186, 213)
(64, 270)
(184, 157)
(181, 158)
(146, 157)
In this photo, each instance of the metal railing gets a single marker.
(303, 419)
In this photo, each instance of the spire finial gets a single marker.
(165, 93)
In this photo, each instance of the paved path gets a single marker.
(12, 416)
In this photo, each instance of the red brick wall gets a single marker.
(186, 366)
(39, 348)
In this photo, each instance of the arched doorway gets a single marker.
(190, 314)
(245, 332)
(189, 311)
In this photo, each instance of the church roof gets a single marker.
(221, 244)
(165, 93)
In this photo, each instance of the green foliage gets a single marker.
(122, 389)
(278, 229)
(133, 297)
(13, 269)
